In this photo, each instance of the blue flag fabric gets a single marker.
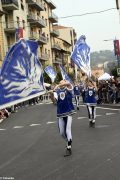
(64, 74)
(50, 72)
(21, 76)
(81, 55)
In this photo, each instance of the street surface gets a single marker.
(32, 149)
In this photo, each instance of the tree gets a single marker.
(114, 72)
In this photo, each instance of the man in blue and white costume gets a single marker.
(65, 110)
(90, 101)
(77, 94)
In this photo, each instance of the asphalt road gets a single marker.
(32, 149)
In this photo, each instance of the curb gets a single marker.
(110, 105)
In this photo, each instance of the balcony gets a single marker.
(33, 36)
(56, 47)
(31, 17)
(53, 18)
(10, 5)
(10, 28)
(44, 56)
(51, 4)
(36, 20)
(66, 51)
(55, 33)
(1, 12)
(57, 60)
(42, 39)
(35, 4)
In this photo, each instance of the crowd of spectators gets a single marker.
(109, 91)
(4, 113)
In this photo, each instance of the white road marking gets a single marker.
(39, 104)
(98, 115)
(44, 103)
(101, 107)
(17, 127)
(51, 122)
(108, 108)
(102, 126)
(35, 125)
(1, 120)
(81, 117)
(108, 114)
(49, 103)
(2, 129)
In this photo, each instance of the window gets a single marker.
(45, 51)
(40, 32)
(49, 53)
(45, 7)
(18, 22)
(46, 21)
(47, 37)
(23, 22)
(22, 6)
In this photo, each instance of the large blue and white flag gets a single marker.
(81, 55)
(21, 76)
(50, 72)
(64, 74)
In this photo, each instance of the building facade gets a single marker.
(68, 37)
(1, 35)
(37, 21)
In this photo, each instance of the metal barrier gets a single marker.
(45, 98)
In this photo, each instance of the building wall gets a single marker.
(1, 37)
(47, 53)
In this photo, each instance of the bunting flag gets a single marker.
(19, 33)
(64, 74)
(116, 47)
(21, 76)
(51, 73)
(81, 55)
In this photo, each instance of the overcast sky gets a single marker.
(97, 27)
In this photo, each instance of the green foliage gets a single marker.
(46, 78)
(114, 72)
(101, 57)
(58, 77)
(72, 76)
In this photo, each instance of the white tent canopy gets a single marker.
(105, 76)
(47, 84)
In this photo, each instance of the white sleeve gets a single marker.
(55, 96)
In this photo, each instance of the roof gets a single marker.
(61, 27)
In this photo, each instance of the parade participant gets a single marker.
(77, 94)
(65, 110)
(91, 101)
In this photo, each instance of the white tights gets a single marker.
(65, 127)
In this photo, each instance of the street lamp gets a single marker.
(116, 48)
(108, 40)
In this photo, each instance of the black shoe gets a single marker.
(68, 152)
(91, 124)
(77, 108)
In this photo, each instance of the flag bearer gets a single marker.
(65, 110)
(77, 94)
(91, 101)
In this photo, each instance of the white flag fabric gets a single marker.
(21, 76)
(81, 55)
(51, 73)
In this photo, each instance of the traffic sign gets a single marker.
(118, 71)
